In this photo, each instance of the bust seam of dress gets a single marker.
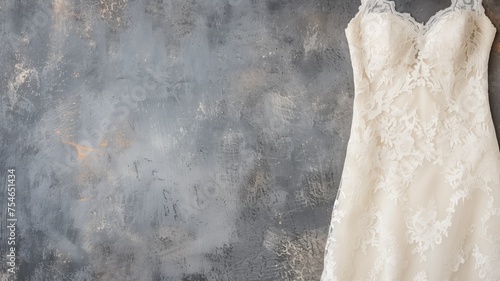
(420, 25)
(425, 26)
(421, 28)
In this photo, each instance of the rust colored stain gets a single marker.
(80, 149)
(104, 143)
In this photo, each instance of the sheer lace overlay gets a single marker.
(419, 197)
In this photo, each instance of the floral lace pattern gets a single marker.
(419, 197)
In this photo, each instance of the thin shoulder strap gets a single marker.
(365, 3)
(377, 5)
(475, 5)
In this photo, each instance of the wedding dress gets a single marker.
(419, 196)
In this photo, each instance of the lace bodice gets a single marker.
(388, 6)
(420, 191)
(385, 43)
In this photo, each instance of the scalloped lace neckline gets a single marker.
(421, 25)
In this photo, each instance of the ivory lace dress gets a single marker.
(419, 197)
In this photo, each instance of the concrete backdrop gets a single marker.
(178, 140)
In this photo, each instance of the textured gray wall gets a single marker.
(178, 140)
